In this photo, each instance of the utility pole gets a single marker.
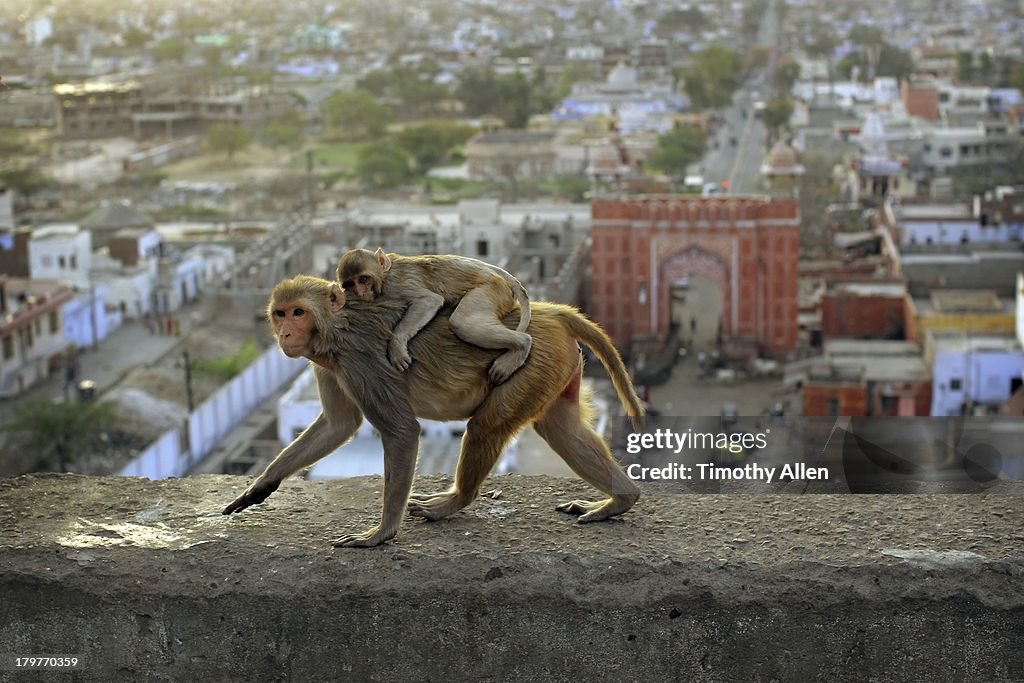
(188, 380)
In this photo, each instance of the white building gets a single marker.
(86, 322)
(61, 251)
(6, 207)
(131, 289)
(980, 145)
(956, 223)
(480, 228)
(973, 372)
(32, 340)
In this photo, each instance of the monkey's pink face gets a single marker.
(293, 326)
(361, 286)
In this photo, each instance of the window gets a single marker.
(61, 261)
(53, 322)
(8, 347)
(481, 248)
(889, 403)
(74, 261)
(833, 407)
(946, 152)
(955, 384)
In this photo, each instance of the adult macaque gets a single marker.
(482, 295)
(311, 318)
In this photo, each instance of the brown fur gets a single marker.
(480, 294)
(449, 382)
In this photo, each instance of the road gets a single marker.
(736, 147)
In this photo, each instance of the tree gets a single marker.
(26, 181)
(285, 131)
(170, 49)
(777, 112)
(573, 73)
(382, 166)
(413, 87)
(690, 20)
(64, 429)
(228, 138)
(713, 78)
(135, 38)
(478, 90)
(785, 77)
(573, 188)
(676, 150)
(965, 66)
(429, 143)
(356, 115)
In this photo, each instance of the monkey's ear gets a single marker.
(335, 297)
(382, 259)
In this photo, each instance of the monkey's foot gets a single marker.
(507, 363)
(367, 539)
(594, 511)
(436, 506)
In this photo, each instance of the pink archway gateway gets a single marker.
(747, 245)
(689, 261)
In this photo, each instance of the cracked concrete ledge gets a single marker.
(148, 581)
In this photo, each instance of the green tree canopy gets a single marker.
(63, 431)
(413, 88)
(777, 112)
(26, 181)
(429, 143)
(713, 78)
(226, 137)
(891, 62)
(171, 49)
(679, 20)
(676, 150)
(356, 115)
(785, 77)
(573, 73)
(382, 165)
(286, 131)
(478, 91)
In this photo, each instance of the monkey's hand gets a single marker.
(367, 539)
(398, 354)
(254, 495)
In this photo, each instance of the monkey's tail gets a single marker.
(524, 309)
(591, 334)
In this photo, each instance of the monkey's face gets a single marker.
(294, 326)
(362, 286)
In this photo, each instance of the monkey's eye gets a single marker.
(279, 313)
(347, 284)
(364, 279)
(298, 312)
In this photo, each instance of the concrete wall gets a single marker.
(147, 581)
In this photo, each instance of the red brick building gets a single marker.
(920, 99)
(864, 310)
(747, 246)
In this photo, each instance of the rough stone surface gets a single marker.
(148, 581)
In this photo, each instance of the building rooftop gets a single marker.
(115, 215)
(973, 342)
(890, 289)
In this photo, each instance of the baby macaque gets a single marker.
(481, 293)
